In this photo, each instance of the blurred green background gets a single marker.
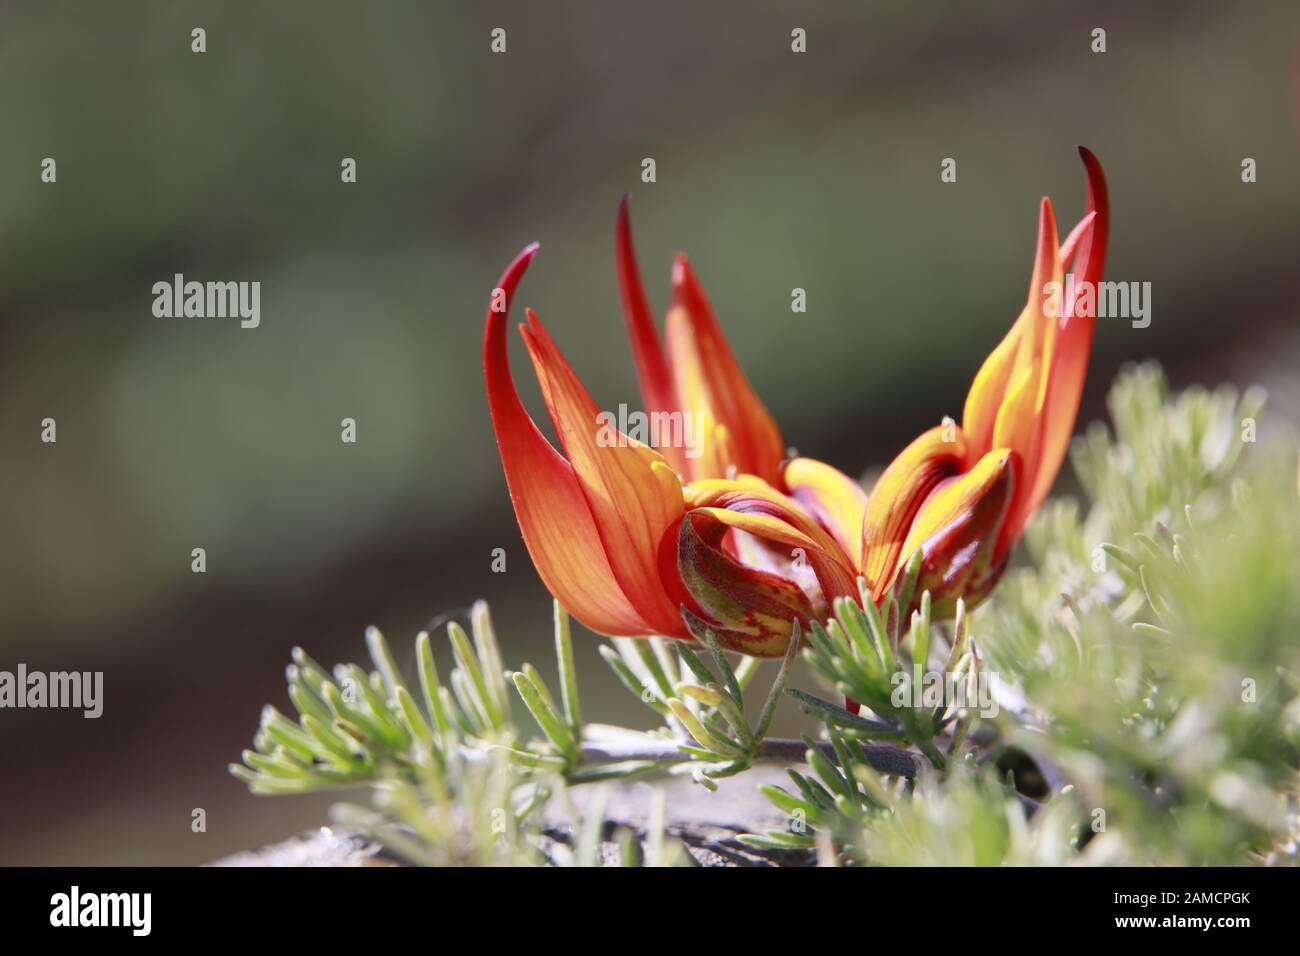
(775, 171)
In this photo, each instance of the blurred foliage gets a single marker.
(1146, 666)
(1154, 642)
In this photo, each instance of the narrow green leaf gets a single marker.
(833, 713)
(489, 654)
(430, 685)
(713, 696)
(547, 719)
(568, 674)
(334, 746)
(390, 729)
(778, 685)
(534, 760)
(313, 673)
(276, 766)
(724, 668)
(777, 840)
(702, 673)
(307, 701)
(383, 659)
(416, 725)
(369, 729)
(905, 587)
(879, 633)
(706, 738)
(644, 651)
(826, 771)
(630, 680)
(921, 633)
(287, 734)
(469, 663)
(621, 770)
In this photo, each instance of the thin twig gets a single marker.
(893, 761)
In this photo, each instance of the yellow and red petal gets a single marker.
(633, 494)
(834, 577)
(898, 496)
(837, 501)
(1085, 250)
(709, 382)
(958, 528)
(984, 398)
(1004, 400)
(554, 518)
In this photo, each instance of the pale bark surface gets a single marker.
(707, 824)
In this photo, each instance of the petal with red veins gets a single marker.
(748, 610)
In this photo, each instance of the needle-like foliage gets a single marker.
(1131, 693)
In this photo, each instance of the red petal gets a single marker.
(657, 393)
(709, 381)
(556, 523)
(1070, 365)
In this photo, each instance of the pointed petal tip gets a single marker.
(653, 374)
(1046, 211)
(527, 253)
(1097, 191)
(1092, 165)
(685, 285)
(514, 272)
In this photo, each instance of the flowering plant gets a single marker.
(735, 538)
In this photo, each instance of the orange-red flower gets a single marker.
(728, 535)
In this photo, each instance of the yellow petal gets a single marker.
(833, 498)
